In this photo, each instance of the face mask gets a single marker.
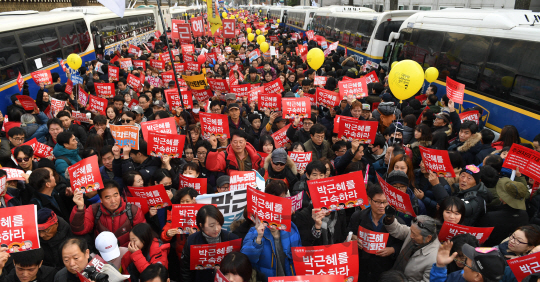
(393, 140)
(196, 110)
(168, 187)
(189, 176)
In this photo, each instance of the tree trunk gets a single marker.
(522, 4)
(394, 5)
(79, 3)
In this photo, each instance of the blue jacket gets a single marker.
(439, 274)
(263, 256)
(60, 164)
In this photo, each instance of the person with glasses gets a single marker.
(279, 166)
(420, 244)
(24, 155)
(15, 138)
(53, 231)
(317, 144)
(521, 242)
(301, 135)
(373, 265)
(128, 118)
(399, 180)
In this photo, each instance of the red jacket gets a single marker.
(226, 161)
(82, 221)
(157, 254)
(181, 239)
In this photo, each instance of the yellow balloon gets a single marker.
(224, 14)
(236, 16)
(74, 61)
(405, 79)
(507, 81)
(315, 58)
(261, 39)
(278, 21)
(248, 29)
(244, 22)
(258, 31)
(394, 64)
(251, 36)
(264, 47)
(431, 74)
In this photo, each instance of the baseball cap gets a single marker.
(137, 109)
(107, 245)
(222, 180)
(444, 117)
(159, 103)
(488, 261)
(230, 96)
(279, 156)
(232, 106)
(366, 107)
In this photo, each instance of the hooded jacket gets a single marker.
(35, 130)
(146, 168)
(415, 148)
(52, 247)
(157, 254)
(408, 135)
(468, 149)
(288, 173)
(474, 198)
(225, 161)
(60, 164)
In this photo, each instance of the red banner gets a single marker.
(84, 176)
(209, 256)
(160, 144)
(179, 67)
(470, 115)
(310, 34)
(97, 105)
(174, 31)
(241, 90)
(166, 57)
(353, 87)
(293, 107)
(156, 196)
(164, 125)
(274, 87)
(40, 150)
(125, 63)
(19, 228)
(437, 161)
(327, 98)
(202, 95)
(27, 102)
(69, 87)
(455, 90)
(337, 259)
(320, 80)
(141, 203)
(199, 184)
(133, 49)
(192, 66)
(184, 33)
(197, 26)
(218, 84)
(241, 180)
(228, 28)
(20, 81)
(42, 76)
(81, 117)
(139, 64)
(273, 211)
(104, 90)
(133, 81)
(525, 266)
(173, 99)
(13, 174)
(183, 217)
(214, 124)
(300, 159)
(528, 161)
(280, 137)
(160, 65)
(396, 198)
(371, 77)
(308, 278)
(188, 48)
(270, 101)
(338, 192)
(113, 72)
(354, 129)
(372, 241)
(83, 96)
(450, 230)
(125, 135)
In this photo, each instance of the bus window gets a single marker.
(69, 39)
(385, 28)
(84, 36)
(428, 46)
(40, 44)
(10, 59)
(526, 89)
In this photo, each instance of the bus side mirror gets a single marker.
(393, 36)
(387, 52)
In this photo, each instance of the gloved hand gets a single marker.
(390, 213)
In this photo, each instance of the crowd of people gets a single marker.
(73, 226)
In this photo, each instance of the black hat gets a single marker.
(233, 105)
(252, 70)
(488, 261)
(397, 176)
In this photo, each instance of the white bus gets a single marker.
(299, 17)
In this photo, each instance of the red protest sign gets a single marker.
(450, 230)
(40, 150)
(437, 161)
(114, 72)
(20, 81)
(69, 87)
(528, 161)
(320, 80)
(337, 259)
(219, 40)
(167, 76)
(164, 125)
(84, 176)
(188, 48)
(241, 90)
(214, 124)
(166, 57)
(133, 81)
(125, 135)
(371, 77)
(270, 101)
(133, 49)
(470, 115)
(293, 107)
(19, 228)
(7, 125)
(192, 66)
(156, 196)
(396, 198)
(310, 34)
(199, 184)
(141, 203)
(280, 137)
(241, 180)
(125, 63)
(327, 98)
(81, 117)
(42, 76)
(160, 144)
(296, 201)
(338, 192)
(27, 102)
(353, 87)
(13, 174)
(3, 185)
(273, 211)
(455, 90)
(97, 105)
(179, 67)
(274, 86)
(104, 90)
(173, 99)
(228, 28)
(160, 65)
(300, 159)
(140, 64)
(202, 95)
(372, 241)
(184, 217)
(525, 266)
(83, 96)
(220, 277)
(220, 85)
(184, 33)
(197, 26)
(308, 278)
(208, 256)
(354, 129)
(174, 32)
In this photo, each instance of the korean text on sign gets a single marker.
(528, 161)
(18, 228)
(336, 259)
(156, 195)
(372, 241)
(293, 107)
(525, 266)
(338, 192)
(300, 159)
(160, 144)
(240, 180)
(208, 256)
(84, 176)
(273, 211)
(164, 125)
(126, 135)
(214, 124)
(396, 198)
(184, 217)
(437, 161)
(353, 87)
(365, 131)
(296, 201)
(199, 184)
(231, 204)
(450, 230)
(280, 136)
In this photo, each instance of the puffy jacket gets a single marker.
(38, 131)
(146, 168)
(82, 221)
(60, 164)
(177, 246)
(468, 149)
(156, 254)
(288, 173)
(226, 160)
(475, 199)
(263, 256)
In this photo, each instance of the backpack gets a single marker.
(129, 210)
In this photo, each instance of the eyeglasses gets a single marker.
(126, 120)
(464, 262)
(319, 136)
(46, 230)
(278, 164)
(422, 225)
(379, 203)
(18, 139)
(201, 153)
(513, 238)
(22, 160)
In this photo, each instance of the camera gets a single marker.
(91, 273)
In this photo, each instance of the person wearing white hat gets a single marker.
(107, 245)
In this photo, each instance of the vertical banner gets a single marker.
(184, 33)
(113, 72)
(20, 81)
(396, 198)
(437, 161)
(214, 124)
(354, 129)
(455, 90)
(183, 217)
(197, 26)
(450, 230)
(164, 125)
(337, 259)
(84, 176)
(19, 228)
(199, 184)
(300, 159)
(156, 195)
(296, 201)
(372, 241)
(209, 256)
(273, 211)
(125, 135)
(371, 77)
(83, 96)
(338, 192)
(228, 28)
(293, 107)
(241, 180)
(161, 144)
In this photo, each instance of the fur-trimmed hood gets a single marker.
(471, 142)
(290, 164)
(426, 144)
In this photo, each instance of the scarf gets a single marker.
(406, 253)
(328, 224)
(212, 240)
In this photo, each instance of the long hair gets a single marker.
(509, 135)
(407, 160)
(144, 232)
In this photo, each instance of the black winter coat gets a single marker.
(52, 247)
(304, 221)
(475, 199)
(505, 220)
